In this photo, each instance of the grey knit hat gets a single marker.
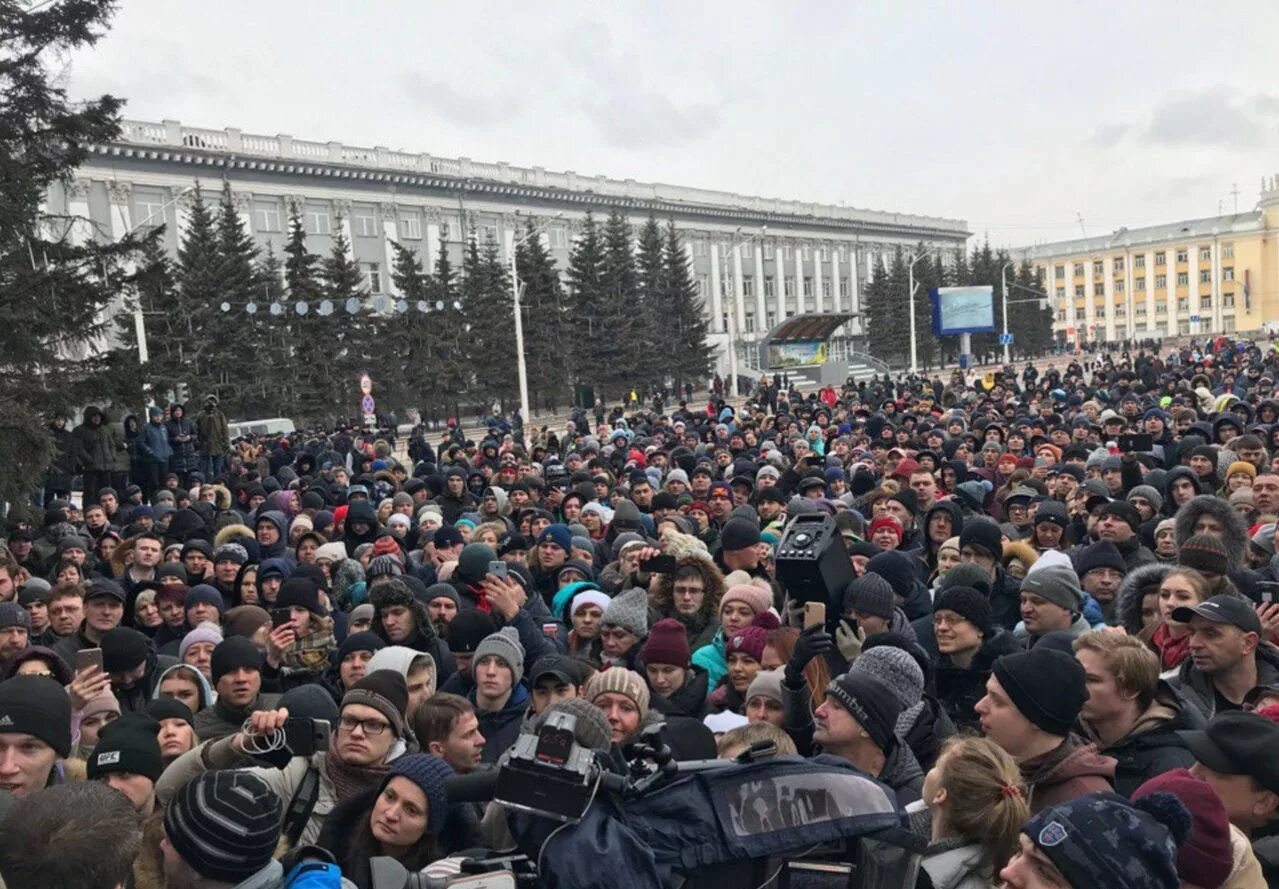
(870, 594)
(896, 669)
(231, 552)
(384, 566)
(1156, 499)
(504, 644)
(1056, 583)
(628, 611)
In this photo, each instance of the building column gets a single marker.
(1192, 286)
(854, 287)
(1129, 296)
(432, 250)
(118, 200)
(1090, 307)
(779, 279)
(80, 230)
(837, 299)
(717, 301)
(819, 295)
(1108, 283)
(1151, 323)
(738, 322)
(761, 304)
(800, 305)
(1218, 310)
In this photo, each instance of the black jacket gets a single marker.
(1197, 690)
(959, 689)
(688, 700)
(1153, 746)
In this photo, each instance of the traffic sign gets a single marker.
(1194, 319)
(366, 404)
(1005, 339)
(366, 384)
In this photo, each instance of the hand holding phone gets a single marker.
(658, 565)
(88, 657)
(499, 569)
(814, 614)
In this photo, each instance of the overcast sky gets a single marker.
(1018, 116)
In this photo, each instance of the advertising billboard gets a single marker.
(963, 310)
(783, 355)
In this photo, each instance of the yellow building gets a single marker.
(1197, 277)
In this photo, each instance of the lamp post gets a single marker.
(910, 299)
(517, 288)
(1003, 297)
(139, 319)
(737, 240)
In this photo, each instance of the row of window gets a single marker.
(1161, 308)
(1139, 261)
(1139, 283)
(768, 250)
(788, 286)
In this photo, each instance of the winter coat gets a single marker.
(925, 727)
(453, 507)
(221, 720)
(89, 444)
(1069, 771)
(957, 867)
(207, 695)
(902, 773)
(1152, 746)
(1234, 532)
(182, 439)
(154, 443)
(712, 659)
(1197, 689)
(1128, 599)
(1245, 871)
(1005, 599)
(215, 438)
(113, 441)
(500, 728)
(960, 689)
(58, 476)
(688, 700)
(136, 698)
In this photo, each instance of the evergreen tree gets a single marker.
(1031, 322)
(348, 352)
(446, 374)
(199, 290)
(616, 354)
(886, 310)
(235, 340)
(685, 343)
(301, 281)
(542, 306)
(585, 287)
(154, 291)
(486, 301)
(651, 304)
(301, 266)
(408, 342)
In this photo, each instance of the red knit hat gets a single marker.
(386, 546)
(667, 644)
(1205, 858)
(886, 521)
(748, 640)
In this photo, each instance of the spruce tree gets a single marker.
(199, 291)
(167, 326)
(585, 286)
(347, 353)
(542, 307)
(616, 354)
(408, 341)
(652, 304)
(301, 266)
(685, 342)
(486, 301)
(235, 339)
(447, 372)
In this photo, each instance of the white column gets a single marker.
(118, 202)
(800, 305)
(837, 301)
(432, 245)
(761, 304)
(1170, 291)
(1151, 323)
(1090, 308)
(717, 301)
(1129, 296)
(78, 209)
(854, 287)
(1108, 282)
(739, 298)
(181, 213)
(819, 297)
(1215, 288)
(1192, 278)
(779, 279)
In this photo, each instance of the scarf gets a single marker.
(349, 780)
(310, 654)
(482, 602)
(1171, 651)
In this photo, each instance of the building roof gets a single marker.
(1152, 235)
(810, 327)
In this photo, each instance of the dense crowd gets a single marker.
(1057, 652)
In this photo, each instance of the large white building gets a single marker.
(757, 260)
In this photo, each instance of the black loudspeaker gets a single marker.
(813, 564)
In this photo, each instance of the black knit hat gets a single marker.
(386, 692)
(123, 649)
(128, 745)
(37, 706)
(233, 653)
(738, 534)
(299, 591)
(984, 535)
(365, 641)
(1124, 510)
(1102, 554)
(969, 604)
(468, 630)
(161, 709)
(1204, 552)
(1046, 686)
(870, 594)
(224, 824)
(871, 703)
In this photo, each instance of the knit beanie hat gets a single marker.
(886, 521)
(299, 591)
(595, 597)
(386, 546)
(982, 534)
(767, 683)
(900, 570)
(558, 534)
(1102, 554)
(224, 824)
(871, 703)
(310, 701)
(38, 706)
(14, 615)
(896, 669)
(103, 702)
(384, 566)
(622, 681)
(203, 633)
(230, 552)
(667, 643)
(36, 589)
(1056, 583)
(203, 594)
(1152, 496)
(1046, 686)
(123, 649)
(870, 594)
(161, 709)
(468, 630)
(1052, 511)
(1204, 552)
(592, 730)
(366, 640)
(738, 534)
(749, 641)
(756, 598)
(474, 561)
(129, 744)
(628, 611)
(1124, 510)
(504, 644)
(245, 620)
(1104, 840)
(968, 603)
(443, 591)
(334, 552)
(431, 774)
(1205, 857)
(384, 691)
(232, 654)
(1241, 466)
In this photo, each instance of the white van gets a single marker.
(272, 426)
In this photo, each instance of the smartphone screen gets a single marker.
(280, 617)
(659, 565)
(499, 568)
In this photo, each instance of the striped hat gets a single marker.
(623, 682)
(225, 824)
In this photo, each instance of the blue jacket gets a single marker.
(155, 442)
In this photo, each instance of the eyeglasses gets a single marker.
(941, 620)
(688, 591)
(370, 727)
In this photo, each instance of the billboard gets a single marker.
(963, 310)
(782, 355)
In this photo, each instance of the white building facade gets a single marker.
(757, 260)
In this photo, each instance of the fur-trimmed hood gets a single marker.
(1128, 599)
(1234, 532)
(231, 532)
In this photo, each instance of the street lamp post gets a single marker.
(139, 319)
(737, 240)
(517, 289)
(914, 346)
(1003, 293)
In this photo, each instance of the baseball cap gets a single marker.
(560, 666)
(1238, 743)
(1224, 609)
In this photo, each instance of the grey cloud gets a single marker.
(1178, 188)
(1109, 135)
(1218, 116)
(478, 109)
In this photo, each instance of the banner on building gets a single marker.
(781, 355)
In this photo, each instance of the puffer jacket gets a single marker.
(182, 439)
(954, 866)
(1197, 690)
(960, 689)
(1153, 745)
(1073, 769)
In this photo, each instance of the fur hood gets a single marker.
(231, 532)
(1234, 532)
(1128, 599)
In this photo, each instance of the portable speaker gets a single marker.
(813, 564)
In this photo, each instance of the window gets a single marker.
(749, 323)
(825, 288)
(557, 238)
(1121, 311)
(1205, 276)
(1139, 262)
(266, 218)
(364, 225)
(1228, 273)
(1061, 315)
(770, 286)
(768, 249)
(1098, 289)
(1183, 255)
(1080, 315)
(373, 277)
(451, 229)
(808, 286)
(1119, 263)
(1205, 302)
(786, 251)
(723, 321)
(149, 209)
(1061, 293)
(1059, 272)
(1139, 283)
(748, 285)
(806, 253)
(1119, 285)
(1205, 254)
(1161, 282)
(843, 287)
(1098, 267)
(1228, 300)
(822, 254)
(411, 227)
(1183, 278)
(701, 248)
(1227, 251)
(1161, 258)
(1099, 312)
(788, 287)
(1183, 303)
(317, 221)
(1079, 270)
(747, 250)
(702, 285)
(1139, 309)
(772, 319)
(1079, 291)
(488, 233)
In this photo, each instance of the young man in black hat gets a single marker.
(127, 758)
(1228, 658)
(35, 733)
(103, 611)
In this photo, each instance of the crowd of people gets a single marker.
(1057, 651)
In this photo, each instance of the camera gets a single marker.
(387, 873)
(548, 774)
